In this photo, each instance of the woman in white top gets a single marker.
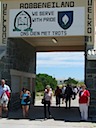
(48, 100)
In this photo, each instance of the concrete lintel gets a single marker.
(20, 73)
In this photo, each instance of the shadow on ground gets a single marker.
(58, 113)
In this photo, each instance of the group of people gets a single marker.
(84, 99)
(5, 94)
(65, 93)
(25, 95)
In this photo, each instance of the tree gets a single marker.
(43, 79)
(71, 81)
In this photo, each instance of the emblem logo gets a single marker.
(65, 19)
(22, 22)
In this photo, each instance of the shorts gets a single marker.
(4, 103)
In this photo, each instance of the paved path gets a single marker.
(43, 124)
(74, 103)
(62, 118)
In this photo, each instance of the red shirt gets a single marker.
(83, 96)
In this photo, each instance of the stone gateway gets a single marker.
(28, 27)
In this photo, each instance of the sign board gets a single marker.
(47, 22)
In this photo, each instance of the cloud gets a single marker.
(60, 59)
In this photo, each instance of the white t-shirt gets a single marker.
(3, 89)
(63, 90)
(48, 95)
(75, 90)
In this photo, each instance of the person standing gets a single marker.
(84, 99)
(47, 101)
(68, 95)
(75, 91)
(63, 93)
(25, 101)
(58, 92)
(4, 97)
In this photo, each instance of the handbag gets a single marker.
(43, 101)
(4, 97)
(27, 99)
(8, 94)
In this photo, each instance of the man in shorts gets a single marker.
(4, 97)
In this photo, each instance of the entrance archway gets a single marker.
(30, 27)
(61, 66)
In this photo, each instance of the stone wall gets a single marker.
(20, 56)
(90, 80)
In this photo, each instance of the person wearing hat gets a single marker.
(47, 101)
(84, 99)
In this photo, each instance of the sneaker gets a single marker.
(50, 116)
(45, 118)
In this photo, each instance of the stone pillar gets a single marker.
(20, 56)
(90, 81)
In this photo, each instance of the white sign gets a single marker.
(47, 22)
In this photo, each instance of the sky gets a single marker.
(61, 65)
